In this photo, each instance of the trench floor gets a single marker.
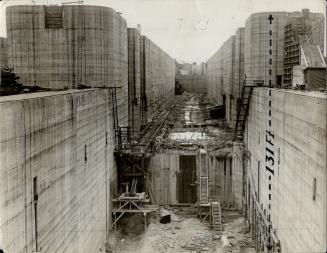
(185, 233)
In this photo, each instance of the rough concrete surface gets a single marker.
(3, 52)
(57, 165)
(298, 123)
(83, 45)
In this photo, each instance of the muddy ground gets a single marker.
(185, 233)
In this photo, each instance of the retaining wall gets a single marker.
(158, 72)
(63, 47)
(57, 171)
(193, 83)
(134, 80)
(286, 137)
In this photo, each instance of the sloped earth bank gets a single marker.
(185, 233)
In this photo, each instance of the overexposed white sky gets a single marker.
(188, 30)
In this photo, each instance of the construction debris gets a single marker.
(184, 234)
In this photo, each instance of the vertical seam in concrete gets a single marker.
(25, 174)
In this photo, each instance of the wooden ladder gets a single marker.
(204, 190)
(216, 218)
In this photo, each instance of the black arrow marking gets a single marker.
(270, 18)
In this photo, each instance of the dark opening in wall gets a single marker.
(85, 153)
(35, 196)
(224, 167)
(314, 196)
(279, 80)
(35, 199)
(186, 179)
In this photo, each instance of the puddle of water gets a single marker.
(192, 111)
(188, 136)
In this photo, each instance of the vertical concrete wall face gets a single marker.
(57, 171)
(3, 52)
(238, 72)
(145, 80)
(257, 45)
(61, 47)
(214, 77)
(257, 42)
(298, 185)
(134, 79)
(158, 72)
(225, 71)
(228, 74)
(247, 54)
(317, 24)
(193, 83)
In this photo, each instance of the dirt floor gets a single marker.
(185, 233)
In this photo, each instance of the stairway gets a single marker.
(216, 218)
(118, 142)
(243, 105)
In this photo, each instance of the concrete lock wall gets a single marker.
(158, 71)
(193, 83)
(57, 171)
(215, 76)
(61, 47)
(247, 55)
(3, 52)
(238, 78)
(257, 44)
(226, 73)
(286, 131)
(134, 79)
